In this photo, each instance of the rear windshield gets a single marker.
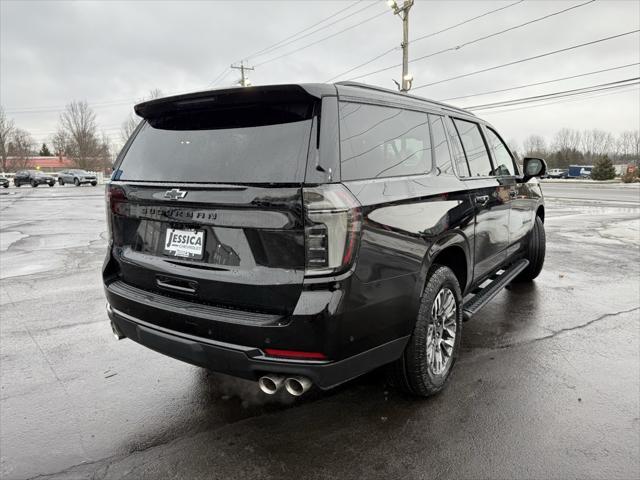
(249, 144)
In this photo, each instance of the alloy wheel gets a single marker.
(441, 332)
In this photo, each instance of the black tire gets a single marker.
(536, 249)
(61, 182)
(6, 185)
(76, 182)
(16, 184)
(411, 372)
(52, 184)
(34, 184)
(93, 184)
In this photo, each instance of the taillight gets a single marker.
(333, 221)
(114, 197)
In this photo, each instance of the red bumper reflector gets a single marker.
(273, 352)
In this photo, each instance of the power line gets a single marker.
(284, 42)
(515, 62)
(289, 40)
(424, 37)
(540, 83)
(219, 78)
(567, 100)
(565, 93)
(324, 38)
(479, 39)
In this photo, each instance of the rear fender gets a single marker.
(455, 239)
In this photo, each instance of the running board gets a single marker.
(482, 296)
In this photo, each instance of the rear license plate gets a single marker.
(184, 243)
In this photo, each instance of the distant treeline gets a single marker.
(575, 147)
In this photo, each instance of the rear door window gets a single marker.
(457, 150)
(474, 148)
(377, 142)
(501, 156)
(249, 144)
(441, 151)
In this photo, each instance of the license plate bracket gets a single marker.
(184, 243)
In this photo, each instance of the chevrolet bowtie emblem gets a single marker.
(175, 194)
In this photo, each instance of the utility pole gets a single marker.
(244, 80)
(403, 13)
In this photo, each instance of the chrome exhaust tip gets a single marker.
(296, 386)
(116, 332)
(270, 384)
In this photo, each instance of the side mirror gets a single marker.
(534, 167)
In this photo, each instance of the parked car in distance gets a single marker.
(33, 178)
(4, 182)
(557, 173)
(77, 177)
(301, 235)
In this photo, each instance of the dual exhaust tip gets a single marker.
(116, 331)
(296, 386)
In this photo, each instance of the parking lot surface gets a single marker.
(547, 385)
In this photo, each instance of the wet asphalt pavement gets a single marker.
(547, 385)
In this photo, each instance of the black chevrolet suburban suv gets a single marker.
(303, 235)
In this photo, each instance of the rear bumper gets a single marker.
(250, 362)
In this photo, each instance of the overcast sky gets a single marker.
(112, 53)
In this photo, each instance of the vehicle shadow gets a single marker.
(278, 430)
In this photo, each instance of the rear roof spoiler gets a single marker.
(212, 99)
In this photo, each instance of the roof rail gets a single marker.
(347, 83)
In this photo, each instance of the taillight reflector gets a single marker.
(274, 352)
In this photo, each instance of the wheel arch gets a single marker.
(451, 251)
(540, 212)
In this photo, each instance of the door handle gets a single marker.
(176, 285)
(482, 199)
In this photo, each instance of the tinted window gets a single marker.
(501, 156)
(440, 146)
(253, 144)
(474, 148)
(456, 148)
(383, 142)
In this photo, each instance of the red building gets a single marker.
(50, 164)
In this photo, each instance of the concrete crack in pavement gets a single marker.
(555, 333)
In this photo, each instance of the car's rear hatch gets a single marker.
(206, 202)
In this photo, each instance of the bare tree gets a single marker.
(155, 93)
(127, 128)
(534, 146)
(131, 123)
(6, 131)
(77, 135)
(105, 156)
(567, 139)
(596, 143)
(60, 141)
(20, 149)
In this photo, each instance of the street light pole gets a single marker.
(403, 13)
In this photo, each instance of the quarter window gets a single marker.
(474, 148)
(501, 156)
(378, 142)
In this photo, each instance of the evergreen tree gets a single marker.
(603, 169)
(44, 151)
